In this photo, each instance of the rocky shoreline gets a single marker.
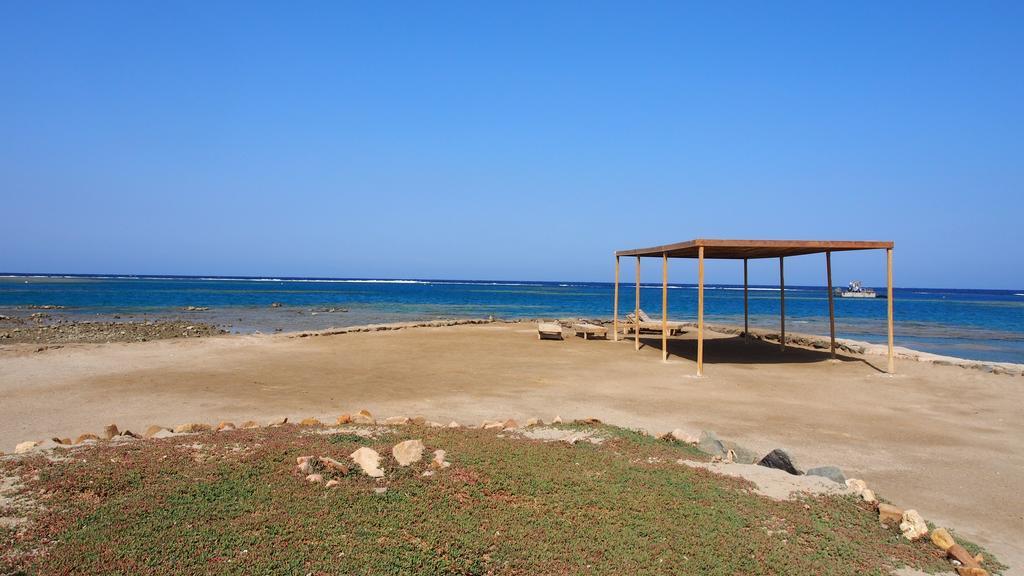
(42, 329)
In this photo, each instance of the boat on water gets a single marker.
(855, 290)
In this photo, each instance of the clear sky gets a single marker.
(517, 140)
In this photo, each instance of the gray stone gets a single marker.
(743, 455)
(779, 460)
(833, 473)
(710, 444)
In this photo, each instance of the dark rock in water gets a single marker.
(831, 472)
(779, 460)
(743, 455)
(710, 444)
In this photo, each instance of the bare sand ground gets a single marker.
(944, 440)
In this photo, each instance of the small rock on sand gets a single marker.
(332, 483)
(961, 555)
(889, 514)
(913, 525)
(369, 461)
(741, 454)
(363, 417)
(439, 461)
(833, 473)
(192, 428)
(153, 429)
(315, 478)
(454, 424)
(779, 460)
(110, 430)
(332, 464)
(943, 539)
(86, 438)
(709, 444)
(310, 422)
(225, 426)
(396, 421)
(857, 485)
(534, 422)
(680, 435)
(407, 452)
(344, 419)
(25, 447)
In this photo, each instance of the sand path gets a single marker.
(944, 440)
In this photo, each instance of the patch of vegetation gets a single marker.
(233, 503)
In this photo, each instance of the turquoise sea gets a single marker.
(976, 324)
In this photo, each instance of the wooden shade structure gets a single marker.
(745, 250)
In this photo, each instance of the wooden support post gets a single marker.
(664, 307)
(892, 358)
(615, 304)
(782, 303)
(700, 311)
(746, 307)
(636, 313)
(831, 306)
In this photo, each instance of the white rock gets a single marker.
(680, 435)
(396, 421)
(25, 447)
(534, 422)
(869, 496)
(332, 483)
(913, 525)
(363, 417)
(438, 461)
(454, 424)
(408, 452)
(315, 478)
(369, 461)
(858, 486)
(557, 420)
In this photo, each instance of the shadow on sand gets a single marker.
(736, 350)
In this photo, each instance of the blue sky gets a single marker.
(517, 141)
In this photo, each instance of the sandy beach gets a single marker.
(942, 439)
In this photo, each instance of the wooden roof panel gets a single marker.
(739, 249)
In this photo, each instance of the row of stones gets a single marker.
(910, 523)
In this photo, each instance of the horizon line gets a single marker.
(435, 280)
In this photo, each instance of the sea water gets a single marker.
(975, 324)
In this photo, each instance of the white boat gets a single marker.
(855, 290)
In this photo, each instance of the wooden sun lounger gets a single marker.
(589, 330)
(549, 330)
(652, 325)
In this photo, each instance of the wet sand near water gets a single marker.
(944, 440)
